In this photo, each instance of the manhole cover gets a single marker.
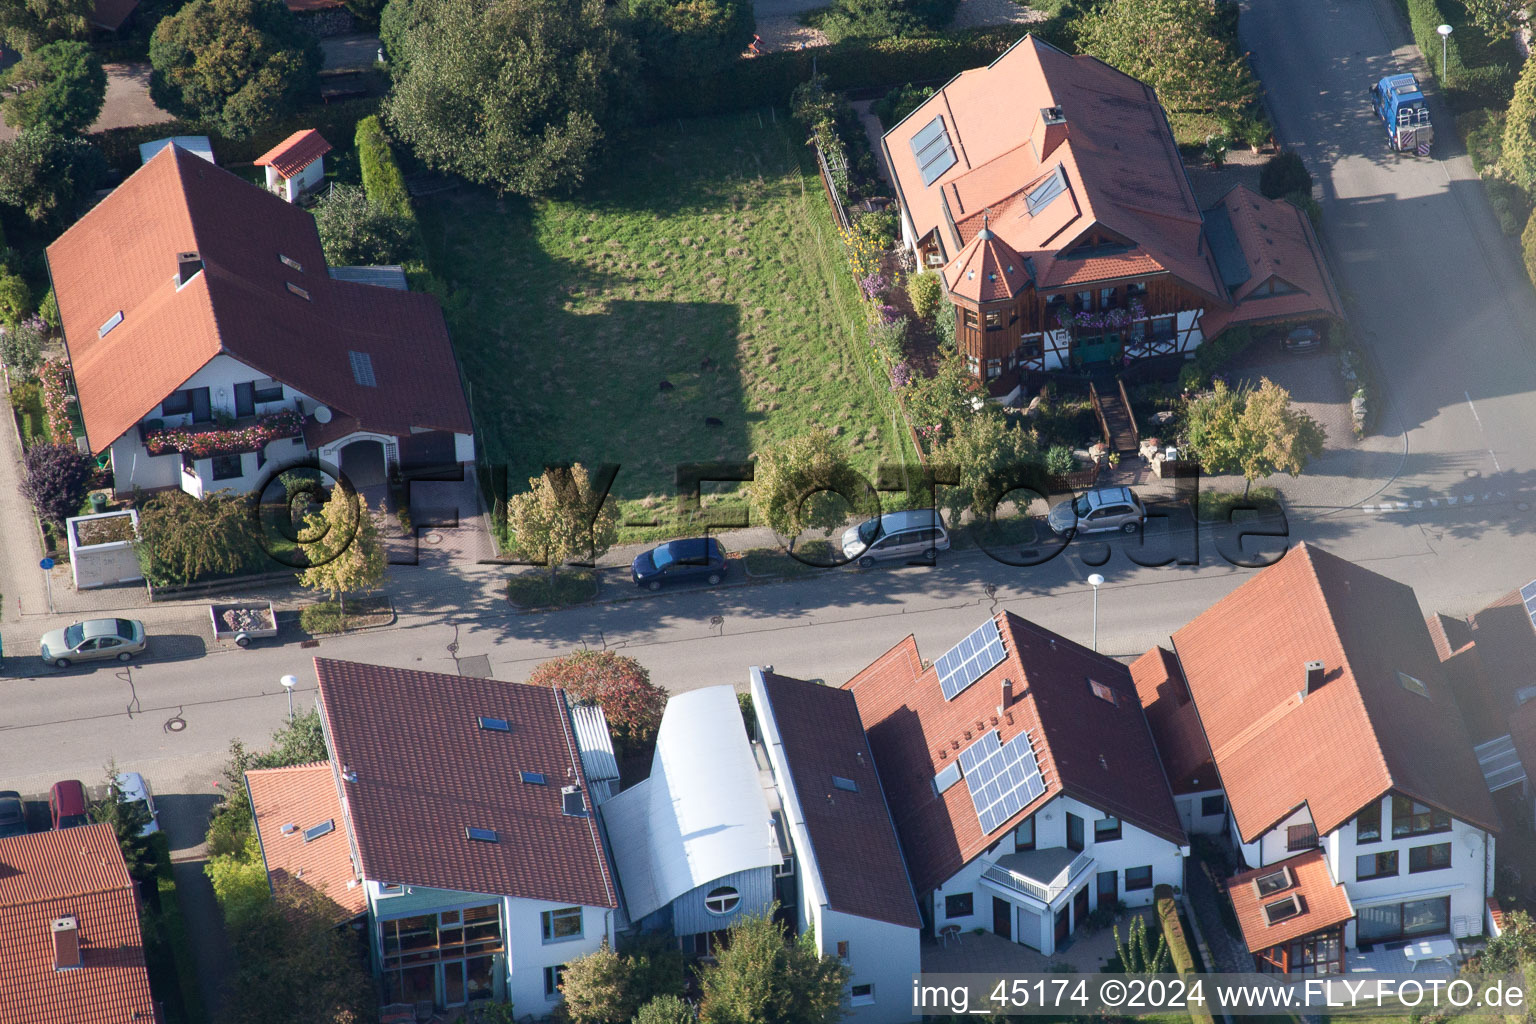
(1472, 473)
(175, 724)
(434, 537)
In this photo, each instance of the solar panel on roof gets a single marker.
(1049, 189)
(362, 369)
(970, 659)
(1002, 777)
(934, 152)
(1528, 595)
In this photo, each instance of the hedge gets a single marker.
(173, 939)
(336, 121)
(1178, 943)
(382, 178)
(1484, 69)
(854, 64)
(1528, 247)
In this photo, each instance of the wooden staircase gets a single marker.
(1116, 420)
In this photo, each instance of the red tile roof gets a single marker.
(1323, 902)
(1278, 242)
(295, 153)
(425, 771)
(121, 257)
(1098, 753)
(855, 846)
(987, 270)
(76, 872)
(298, 798)
(1115, 149)
(1174, 723)
(1362, 734)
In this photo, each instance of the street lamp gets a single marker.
(1095, 581)
(1445, 34)
(289, 682)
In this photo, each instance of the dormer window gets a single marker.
(291, 263)
(295, 289)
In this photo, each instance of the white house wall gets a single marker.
(1135, 848)
(883, 955)
(133, 466)
(1192, 816)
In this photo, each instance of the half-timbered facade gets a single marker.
(1048, 192)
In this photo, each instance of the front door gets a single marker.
(1080, 907)
(245, 399)
(1109, 888)
(202, 411)
(1002, 917)
(1063, 925)
(1074, 832)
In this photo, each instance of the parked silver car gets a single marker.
(1108, 508)
(94, 640)
(914, 535)
(134, 790)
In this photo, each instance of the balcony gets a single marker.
(1039, 874)
(205, 440)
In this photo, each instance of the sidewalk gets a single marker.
(22, 590)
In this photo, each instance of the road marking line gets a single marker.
(1496, 467)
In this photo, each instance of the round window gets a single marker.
(722, 900)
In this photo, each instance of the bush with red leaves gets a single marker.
(631, 702)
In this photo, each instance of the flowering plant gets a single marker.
(203, 442)
(53, 375)
(873, 285)
(901, 375)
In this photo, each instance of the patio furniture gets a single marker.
(948, 932)
(1430, 949)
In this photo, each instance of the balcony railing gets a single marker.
(205, 440)
(1044, 892)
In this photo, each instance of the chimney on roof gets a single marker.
(1007, 696)
(188, 266)
(1315, 673)
(66, 943)
(1050, 131)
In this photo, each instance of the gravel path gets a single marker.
(783, 31)
(976, 13)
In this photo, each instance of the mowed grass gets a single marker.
(691, 304)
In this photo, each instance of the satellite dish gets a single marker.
(322, 414)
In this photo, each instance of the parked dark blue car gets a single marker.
(681, 561)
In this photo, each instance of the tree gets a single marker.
(239, 64)
(632, 704)
(61, 86)
(1136, 955)
(666, 1010)
(938, 405)
(29, 24)
(1498, 18)
(54, 481)
(806, 483)
(15, 299)
(1519, 158)
(21, 348)
(519, 95)
(559, 518)
(760, 977)
(239, 882)
(49, 176)
(128, 820)
(301, 741)
(1283, 174)
(341, 542)
(1255, 433)
(1178, 48)
(595, 987)
(182, 538)
(879, 19)
(691, 38)
(1513, 948)
(991, 457)
(354, 230)
(1528, 247)
(290, 946)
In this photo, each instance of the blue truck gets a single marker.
(1396, 99)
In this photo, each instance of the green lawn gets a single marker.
(706, 258)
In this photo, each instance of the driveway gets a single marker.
(127, 102)
(350, 53)
(1434, 289)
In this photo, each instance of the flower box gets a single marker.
(204, 441)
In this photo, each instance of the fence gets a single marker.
(1130, 414)
(829, 185)
(1098, 412)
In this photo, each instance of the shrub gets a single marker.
(1216, 147)
(15, 298)
(1304, 202)
(239, 882)
(60, 85)
(355, 230)
(1283, 174)
(666, 1010)
(1528, 247)
(48, 309)
(900, 102)
(690, 38)
(632, 703)
(1489, 85)
(183, 539)
(926, 292)
(852, 64)
(889, 338)
(21, 348)
(944, 326)
(1511, 204)
(884, 19)
(382, 178)
(1060, 460)
(55, 480)
(1484, 132)
(880, 227)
